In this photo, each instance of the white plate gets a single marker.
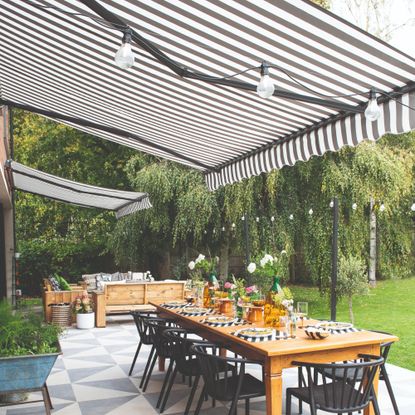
(334, 325)
(255, 332)
(219, 319)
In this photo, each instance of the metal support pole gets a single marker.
(334, 259)
(14, 210)
(247, 243)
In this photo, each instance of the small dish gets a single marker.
(317, 333)
(219, 319)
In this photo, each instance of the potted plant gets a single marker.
(83, 308)
(28, 350)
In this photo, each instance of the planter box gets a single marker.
(26, 373)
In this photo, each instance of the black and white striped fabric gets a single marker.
(37, 182)
(344, 331)
(189, 313)
(172, 306)
(61, 62)
(276, 335)
(235, 322)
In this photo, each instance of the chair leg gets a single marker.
(150, 371)
(49, 400)
(200, 401)
(166, 379)
(390, 390)
(288, 404)
(247, 406)
(300, 384)
(150, 357)
(166, 395)
(192, 395)
(375, 405)
(135, 358)
(46, 401)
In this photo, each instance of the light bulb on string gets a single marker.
(243, 218)
(214, 231)
(272, 219)
(331, 204)
(413, 207)
(223, 229)
(291, 217)
(205, 232)
(266, 87)
(257, 219)
(124, 57)
(310, 212)
(372, 111)
(382, 207)
(354, 206)
(233, 226)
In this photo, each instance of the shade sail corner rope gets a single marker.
(36, 182)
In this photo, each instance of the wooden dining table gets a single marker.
(276, 355)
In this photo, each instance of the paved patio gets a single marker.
(92, 378)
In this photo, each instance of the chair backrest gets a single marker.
(346, 387)
(214, 367)
(156, 328)
(384, 347)
(141, 319)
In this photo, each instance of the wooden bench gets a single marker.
(118, 298)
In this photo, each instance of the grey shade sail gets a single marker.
(37, 182)
(62, 65)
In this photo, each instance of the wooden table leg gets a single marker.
(162, 362)
(273, 385)
(369, 410)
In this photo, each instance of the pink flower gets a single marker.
(251, 289)
(227, 285)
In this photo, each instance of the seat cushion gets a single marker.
(251, 387)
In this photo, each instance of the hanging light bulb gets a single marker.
(413, 207)
(310, 212)
(372, 111)
(243, 218)
(354, 206)
(382, 207)
(272, 218)
(331, 204)
(257, 219)
(233, 226)
(291, 217)
(214, 231)
(124, 57)
(205, 232)
(266, 87)
(223, 229)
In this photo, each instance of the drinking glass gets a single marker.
(284, 325)
(302, 311)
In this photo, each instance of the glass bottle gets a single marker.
(208, 291)
(293, 325)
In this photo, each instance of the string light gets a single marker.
(382, 207)
(272, 218)
(257, 219)
(233, 226)
(223, 229)
(243, 218)
(266, 87)
(354, 206)
(291, 217)
(372, 111)
(310, 212)
(331, 204)
(413, 207)
(124, 57)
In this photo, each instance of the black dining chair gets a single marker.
(185, 363)
(383, 375)
(229, 386)
(142, 329)
(348, 389)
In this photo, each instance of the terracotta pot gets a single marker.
(255, 314)
(226, 306)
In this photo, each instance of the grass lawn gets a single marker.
(389, 307)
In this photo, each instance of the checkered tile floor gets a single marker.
(92, 379)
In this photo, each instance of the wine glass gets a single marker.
(302, 311)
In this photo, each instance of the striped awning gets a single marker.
(37, 182)
(56, 61)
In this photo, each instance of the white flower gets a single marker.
(192, 265)
(201, 257)
(267, 258)
(288, 304)
(251, 268)
(283, 252)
